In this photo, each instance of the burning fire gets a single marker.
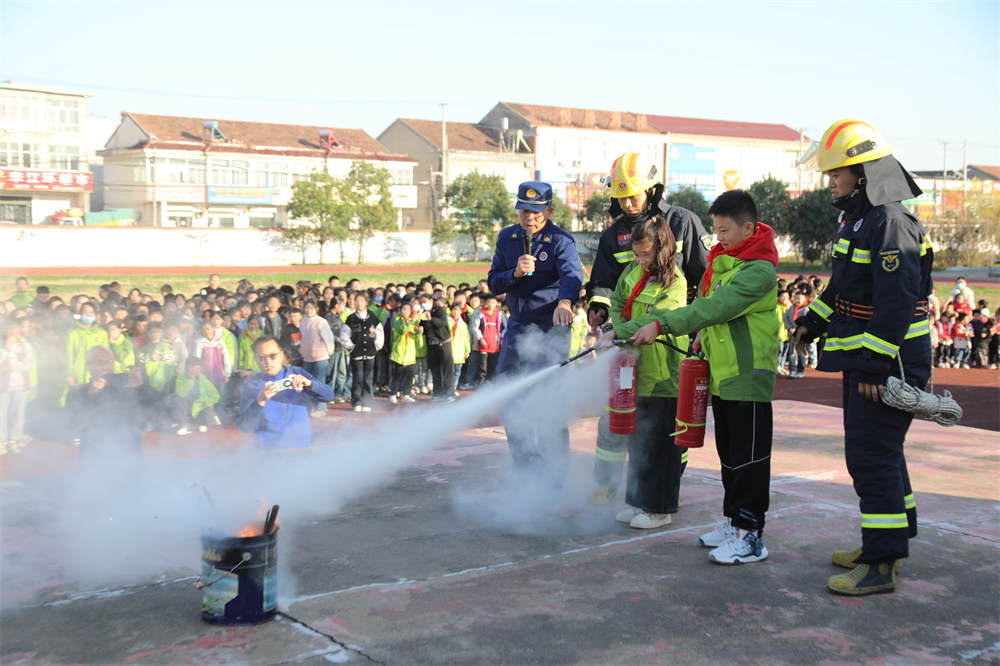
(253, 530)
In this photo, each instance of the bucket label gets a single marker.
(270, 589)
(222, 588)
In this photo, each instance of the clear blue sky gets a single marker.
(923, 72)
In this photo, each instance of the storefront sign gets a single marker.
(240, 194)
(53, 181)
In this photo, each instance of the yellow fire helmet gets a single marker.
(630, 174)
(846, 142)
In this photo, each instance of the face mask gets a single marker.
(401, 292)
(961, 285)
(426, 307)
(378, 300)
(87, 320)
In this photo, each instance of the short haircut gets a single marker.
(266, 338)
(192, 361)
(737, 205)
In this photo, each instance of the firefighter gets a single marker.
(636, 196)
(875, 316)
(537, 266)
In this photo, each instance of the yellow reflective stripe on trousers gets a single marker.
(884, 521)
(862, 256)
(624, 257)
(842, 344)
(684, 457)
(879, 345)
(821, 309)
(611, 456)
(918, 328)
(909, 501)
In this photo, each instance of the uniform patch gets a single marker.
(649, 308)
(546, 239)
(706, 240)
(530, 194)
(623, 239)
(857, 225)
(543, 256)
(890, 259)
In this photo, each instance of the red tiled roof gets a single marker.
(177, 133)
(554, 116)
(461, 136)
(993, 171)
(705, 127)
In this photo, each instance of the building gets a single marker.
(43, 154)
(441, 159)
(573, 148)
(201, 172)
(944, 192)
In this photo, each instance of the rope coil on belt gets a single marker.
(941, 409)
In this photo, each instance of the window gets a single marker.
(230, 172)
(17, 154)
(62, 115)
(301, 172)
(402, 176)
(21, 111)
(64, 157)
(271, 174)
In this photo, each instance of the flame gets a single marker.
(250, 531)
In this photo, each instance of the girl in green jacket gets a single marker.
(650, 286)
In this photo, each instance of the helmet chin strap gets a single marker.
(844, 201)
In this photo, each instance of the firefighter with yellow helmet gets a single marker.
(636, 195)
(874, 313)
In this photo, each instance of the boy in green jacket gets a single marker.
(194, 399)
(739, 333)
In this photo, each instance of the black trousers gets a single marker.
(402, 379)
(361, 389)
(873, 447)
(442, 367)
(743, 432)
(487, 368)
(654, 462)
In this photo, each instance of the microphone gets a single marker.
(527, 244)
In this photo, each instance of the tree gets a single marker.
(772, 203)
(596, 212)
(562, 216)
(812, 224)
(368, 202)
(317, 202)
(480, 201)
(690, 198)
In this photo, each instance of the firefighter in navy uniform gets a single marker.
(875, 316)
(636, 196)
(541, 285)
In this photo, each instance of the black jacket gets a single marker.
(436, 329)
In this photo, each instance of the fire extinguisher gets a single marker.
(621, 403)
(692, 403)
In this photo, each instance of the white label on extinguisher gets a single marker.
(625, 378)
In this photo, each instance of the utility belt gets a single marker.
(859, 311)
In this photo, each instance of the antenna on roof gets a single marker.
(212, 127)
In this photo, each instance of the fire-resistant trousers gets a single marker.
(873, 447)
(743, 432)
(612, 450)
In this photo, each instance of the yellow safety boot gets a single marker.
(849, 559)
(864, 579)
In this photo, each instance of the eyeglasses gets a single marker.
(268, 357)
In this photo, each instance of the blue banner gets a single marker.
(240, 194)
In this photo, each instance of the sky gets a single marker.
(924, 73)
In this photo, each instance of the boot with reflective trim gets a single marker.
(864, 579)
(602, 495)
(849, 559)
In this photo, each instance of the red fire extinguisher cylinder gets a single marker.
(621, 401)
(692, 403)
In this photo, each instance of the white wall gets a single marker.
(32, 246)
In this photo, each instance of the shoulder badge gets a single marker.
(706, 240)
(890, 259)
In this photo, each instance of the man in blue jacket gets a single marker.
(275, 402)
(536, 265)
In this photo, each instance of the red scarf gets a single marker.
(759, 246)
(639, 286)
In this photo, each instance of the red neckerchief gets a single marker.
(454, 328)
(640, 285)
(758, 246)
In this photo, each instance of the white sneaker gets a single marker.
(202, 428)
(409, 398)
(457, 394)
(317, 413)
(393, 400)
(650, 521)
(183, 430)
(358, 408)
(366, 409)
(628, 514)
(744, 547)
(722, 533)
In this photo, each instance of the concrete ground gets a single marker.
(453, 563)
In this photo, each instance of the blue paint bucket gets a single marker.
(239, 578)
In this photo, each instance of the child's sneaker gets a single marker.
(722, 533)
(650, 521)
(202, 428)
(183, 430)
(626, 515)
(743, 548)
(409, 398)
(393, 400)
(358, 408)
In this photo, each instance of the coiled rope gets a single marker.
(941, 409)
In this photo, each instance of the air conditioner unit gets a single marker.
(577, 163)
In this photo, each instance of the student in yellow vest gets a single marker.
(460, 345)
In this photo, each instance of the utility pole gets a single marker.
(444, 143)
(965, 178)
(944, 180)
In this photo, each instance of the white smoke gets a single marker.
(125, 525)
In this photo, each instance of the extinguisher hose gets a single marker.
(695, 354)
